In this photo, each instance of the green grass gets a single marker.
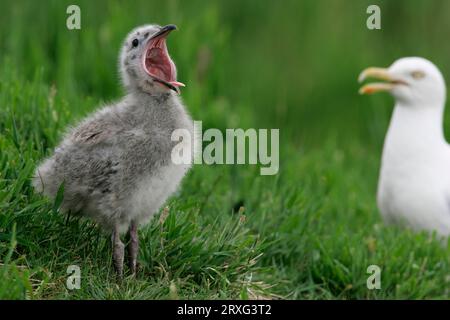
(309, 232)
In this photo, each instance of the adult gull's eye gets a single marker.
(418, 75)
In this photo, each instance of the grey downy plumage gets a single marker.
(115, 166)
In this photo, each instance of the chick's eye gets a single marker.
(418, 75)
(135, 43)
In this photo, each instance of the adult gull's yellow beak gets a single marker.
(379, 74)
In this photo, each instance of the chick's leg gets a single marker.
(118, 252)
(133, 246)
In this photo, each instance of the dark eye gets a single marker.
(135, 43)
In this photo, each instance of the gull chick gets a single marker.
(414, 182)
(115, 166)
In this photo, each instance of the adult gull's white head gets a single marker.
(412, 81)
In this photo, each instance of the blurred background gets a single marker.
(310, 231)
(291, 65)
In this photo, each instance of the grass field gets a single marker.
(309, 232)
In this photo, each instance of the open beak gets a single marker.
(157, 62)
(379, 74)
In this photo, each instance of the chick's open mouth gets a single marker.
(157, 62)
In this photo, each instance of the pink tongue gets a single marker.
(177, 84)
(160, 66)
